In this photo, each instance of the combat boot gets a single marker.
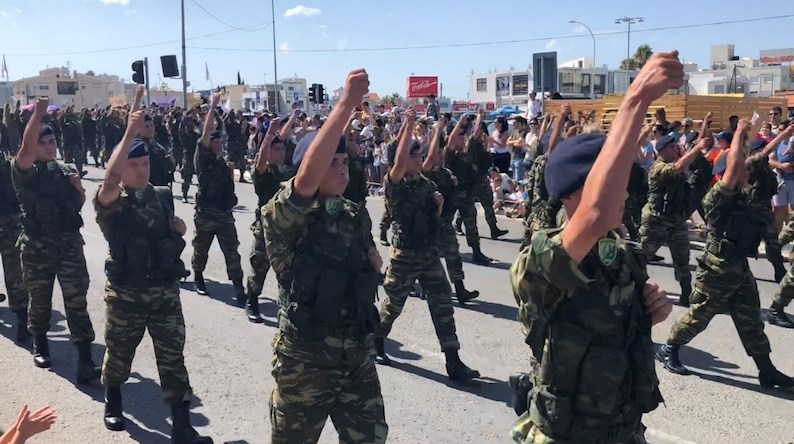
(252, 309)
(464, 295)
(114, 418)
(184, 197)
(520, 386)
(769, 376)
(41, 352)
(459, 226)
(22, 325)
(239, 290)
(780, 270)
(86, 369)
(380, 352)
(201, 287)
(384, 239)
(181, 430)
(496, 232)
(2, 297)
(686, 290)
(778, 317)
(478, 258)
(668, 356)
(457, 370)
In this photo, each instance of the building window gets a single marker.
(600, 83)
(96, 85)
(67, 88)
(482, 85)
(567, 83)
(719, 89)
(43, 87)
(290, 88)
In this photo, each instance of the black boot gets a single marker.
(686, 290)
(184, 196)
(464, 295)
(384, 239)
(380, 352)
(778, 317)
(459, 226)
(114, 419)
(457, 370)
(668, 355)
(239, 291)
(41, 352)
(201, 287)
(2, 297)
(496, 233)
(656, 258)
(520, 386)
(478, 258)
(183, 275)
(780, 269)
(22, 325)
(181, 430)
(252, 309)
(769, 376)
(86, 369)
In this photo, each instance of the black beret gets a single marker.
(415, 146)
(341, 147)
(663, 142)
(147, 118)
(215, 135)
(139, 149)
(45, 130)
(570, 163)
(757, 144)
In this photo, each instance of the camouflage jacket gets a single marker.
(668, 191)
(415, 220)
(9, 205)
(160, 163)
(442, 178)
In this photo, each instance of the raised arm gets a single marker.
(209, 120)
(735, 169)
(30, 139)
(401, 158)
(263, 157)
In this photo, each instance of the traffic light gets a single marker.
(137, 72)
(313, 93)
(320, 93)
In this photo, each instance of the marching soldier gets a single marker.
(72, 140)
(88, 126)
(161, 164)
(10, 228)
(174, 121)
(416, 206)
(189, 137)
(235, 145)
(320, 246)
(214, 202)
(724, 282)
(143, 271)
(52, 196)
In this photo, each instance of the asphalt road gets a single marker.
(229, 361)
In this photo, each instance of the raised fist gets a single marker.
(356, 86)
(662, 72)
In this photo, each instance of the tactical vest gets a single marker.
(415, 221)
(462, 169)
(738, 233)
(159, 164)
(50, 203)
(763, 185)
(266, 185)
(9, 205)
(669, 198)
(331, 286)
(597, 374)
(442, 177)
(144, 251)
(357, 185)
(216, 187)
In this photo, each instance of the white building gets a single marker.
(729, 73)
(64, 88)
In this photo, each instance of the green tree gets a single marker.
(391, 99)
(628, 64)
(641, 55)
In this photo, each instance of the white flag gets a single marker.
(755, 117)
(227, 106)
(4, 72)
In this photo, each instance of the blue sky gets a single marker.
(316, 38)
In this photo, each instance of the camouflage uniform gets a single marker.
(323, 361)
(214, 202)
(160, 164)
(447, 240)
(88, 126)
(414, 255)
(699, 183)
(190, 139)
(235, 147)
(10, 228)
(762, 186)
(787, 232)
(113, 131)
(161, 133)
(266, 185)
(664, 219)
(600, 379)
(14, 128)
(176, 142)
(459, 164)
(480, 161)
(637, 196)
(72, 141)
(357, 190)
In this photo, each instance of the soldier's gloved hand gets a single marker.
(178, 225)
(656, 303)
(374, 259)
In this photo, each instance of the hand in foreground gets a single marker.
(178, 226)
(31, 424)
(656, 303)
(662, 72)
(374, 259)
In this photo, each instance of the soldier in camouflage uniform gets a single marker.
(235, 144)
(267, 178)
(664, 215)
(189, 137)
(161, 132)
(585, 305)
(320, 246)
(724, 282)
(13, 126)
(88, 126)
(416, 205)
(10, 229)
(356, 190)
(72, 140)
(51, 245)
(214, 202)
(142, 290)
(700, 176)
(446, 183)
(161, 164)
(176, 142)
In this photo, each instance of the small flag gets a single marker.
(5, 68)
(227, 106)
(207, 71)
(752, 121)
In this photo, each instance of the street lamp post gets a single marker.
(629, 21)
(592, 73)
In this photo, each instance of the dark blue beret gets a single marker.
(341, 147)
(215, 135)
(415, 146)
(726, 136)
(147, 118)
(139, 149)
(570, 163)
(45, 130)
(664, 141)
(757, 144)
(720, 165)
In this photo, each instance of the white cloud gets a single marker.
(553, 45)
(130, 12)
(342, 44)
(18, 11)
(115, 2)
(296, 11)
(4, 13)
(284, 47)
(323, 27)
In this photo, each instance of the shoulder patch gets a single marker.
(607, 250)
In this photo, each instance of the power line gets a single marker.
(497, 42)
(221, 21)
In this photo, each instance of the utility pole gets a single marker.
(629, 21)
(593, 73)
(146, 77)
(275, 67)
(184, 63)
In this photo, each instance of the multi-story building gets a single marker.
(64, 88)
(290, 91)
(6, 93)
(729, 73)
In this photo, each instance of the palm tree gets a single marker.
(391, 99)
(628, 64)
(641, 55)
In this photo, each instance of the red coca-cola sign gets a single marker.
(421, 87)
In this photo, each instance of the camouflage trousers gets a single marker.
(178, 152)
(209, 225)
(772, 245)
(74, 154)
(91, 148)
(187, 173)
(524, 432)
(632, 216)
(723, 286)
(784, 294)
(385, 221)
(260, 264)
(450, 250)
(132, 311)
(10, 228)
(45, 258)
(786, 233)
(484, 195)
(542, 215)
(656, 231)
(335, 378)
(405, 267)
(236, 153)
(467, 218)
